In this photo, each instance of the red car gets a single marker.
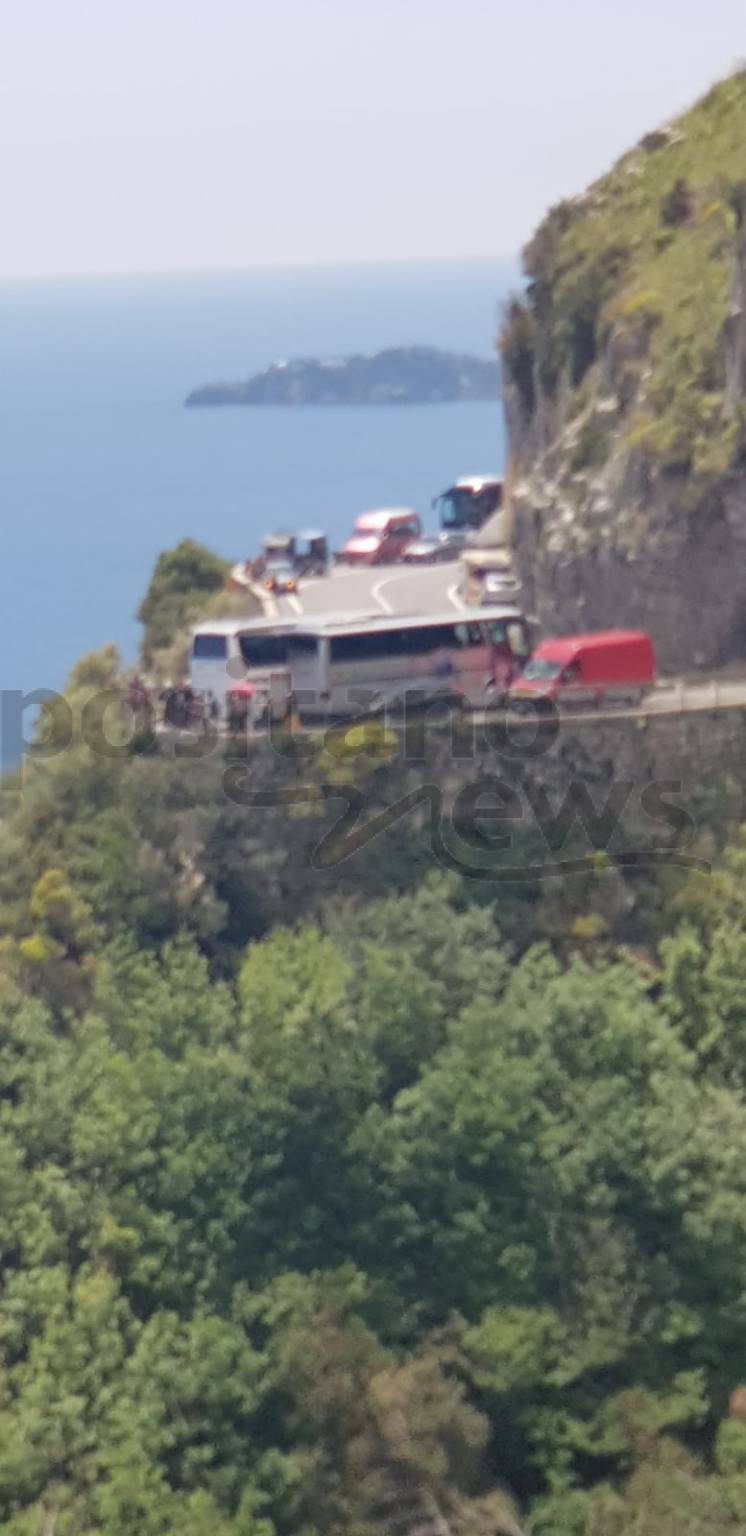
(381, 538)
(586, 669)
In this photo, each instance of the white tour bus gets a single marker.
(225, 652)
(340, 665)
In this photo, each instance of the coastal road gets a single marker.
(376, 589)
(670, 697)
(401, 589)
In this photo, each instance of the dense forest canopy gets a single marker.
(378, 1204)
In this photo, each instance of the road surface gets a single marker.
(374, 589)
(669, 697)
(402, 589)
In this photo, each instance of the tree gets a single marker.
(384, 1446)
(182, 578)
(57, 956)
(311, 1074)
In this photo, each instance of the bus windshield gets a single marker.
(463, 508)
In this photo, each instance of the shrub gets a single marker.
(677, 206)
(517, 350)
(183, 576)
(592, 444)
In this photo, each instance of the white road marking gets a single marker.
(382, 601)
(406, 576)
(423, 589)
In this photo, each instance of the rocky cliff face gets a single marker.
(625, 393)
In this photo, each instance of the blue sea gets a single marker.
(101, 467)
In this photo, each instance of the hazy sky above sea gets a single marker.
(142, 135)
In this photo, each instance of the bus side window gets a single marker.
(467, 634)
(303, 645)
(496, 633)
(517, 639)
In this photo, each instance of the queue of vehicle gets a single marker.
(382, 536)
(334, 665)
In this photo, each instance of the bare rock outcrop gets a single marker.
(625, 391)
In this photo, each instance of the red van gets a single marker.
(586, 669)
(380, 538)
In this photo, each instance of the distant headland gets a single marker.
(397, 376)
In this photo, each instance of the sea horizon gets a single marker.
(498, 260)
(102, 467)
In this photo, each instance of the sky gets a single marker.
(156, 135)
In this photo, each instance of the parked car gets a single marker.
(433, 548)
(481, 562)
(311, 556)
(587, 669)
(381, 538)
(279, 546)
(279, 576)
(500, 585)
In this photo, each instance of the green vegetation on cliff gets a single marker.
(364, 1205)
(188, 583)
(182, 579)
(641, 268)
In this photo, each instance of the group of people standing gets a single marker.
(178, 705)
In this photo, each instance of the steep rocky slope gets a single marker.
(625, 391)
